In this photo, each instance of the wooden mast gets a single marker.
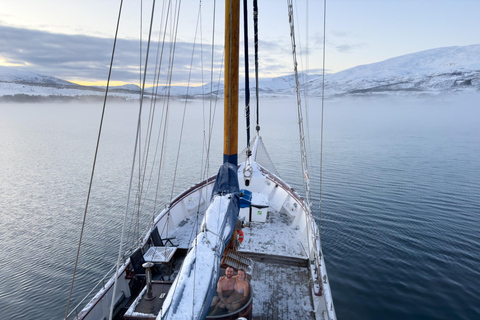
(232, 26)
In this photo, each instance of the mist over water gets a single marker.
(400, 214)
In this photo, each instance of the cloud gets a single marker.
(54, 54)
(344, 48)
(348, 48)
(340, 34)
(344, 42)
(86, 58)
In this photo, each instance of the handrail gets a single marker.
(101, 281)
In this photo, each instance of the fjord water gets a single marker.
(400, 217)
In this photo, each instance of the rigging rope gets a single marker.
(134, 156)
(323, 99)
(185, 108)
(150, 123)
(174, 33)
(148, 137)
(210, 122)
(170, 82)
(247, 80)
(304, 77)
(174, 24)
(137, 201)
(299, 107)
(94, 159)
(201, 164)
(163, 122)
(255, 29)
(303, 150)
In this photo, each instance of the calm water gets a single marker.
(400, 211)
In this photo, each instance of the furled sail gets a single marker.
(194, 287)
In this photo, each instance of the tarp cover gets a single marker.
(193, 289)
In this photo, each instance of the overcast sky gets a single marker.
(73, 40)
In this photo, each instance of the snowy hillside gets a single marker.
(431, 71)
(434, 71)
(13, 75)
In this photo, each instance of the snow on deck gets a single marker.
(188, 230)
(275, 237)
(281, 292)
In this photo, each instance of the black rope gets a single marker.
(247, 80)
(255, 29)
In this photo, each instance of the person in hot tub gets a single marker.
(240, 294)
(225, 288)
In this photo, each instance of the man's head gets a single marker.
(229, 272)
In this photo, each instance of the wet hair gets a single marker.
(242, 271)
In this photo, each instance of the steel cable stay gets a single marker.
(164, 119)
(94, 162)
(303, 151)
(162, 130)
(204, 169)
(150, 126)
(210, 123)
(304, 77)
(323, 102)
(185, 105)
(206, 154)
(183, 117)
(155, 83)
(137, 145)
(212, 115)
(143, 161)
(137, 202)
(247, 79)
(173, 29)
(255, 34)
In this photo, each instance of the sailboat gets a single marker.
(236, 216)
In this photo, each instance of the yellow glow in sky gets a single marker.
(98, 83)
(5, 63)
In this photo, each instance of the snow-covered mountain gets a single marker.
(13, 75)
(431, 71)
(434, 71)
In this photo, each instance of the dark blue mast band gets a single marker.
(232, 158)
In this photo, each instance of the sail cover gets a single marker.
(193, 289)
